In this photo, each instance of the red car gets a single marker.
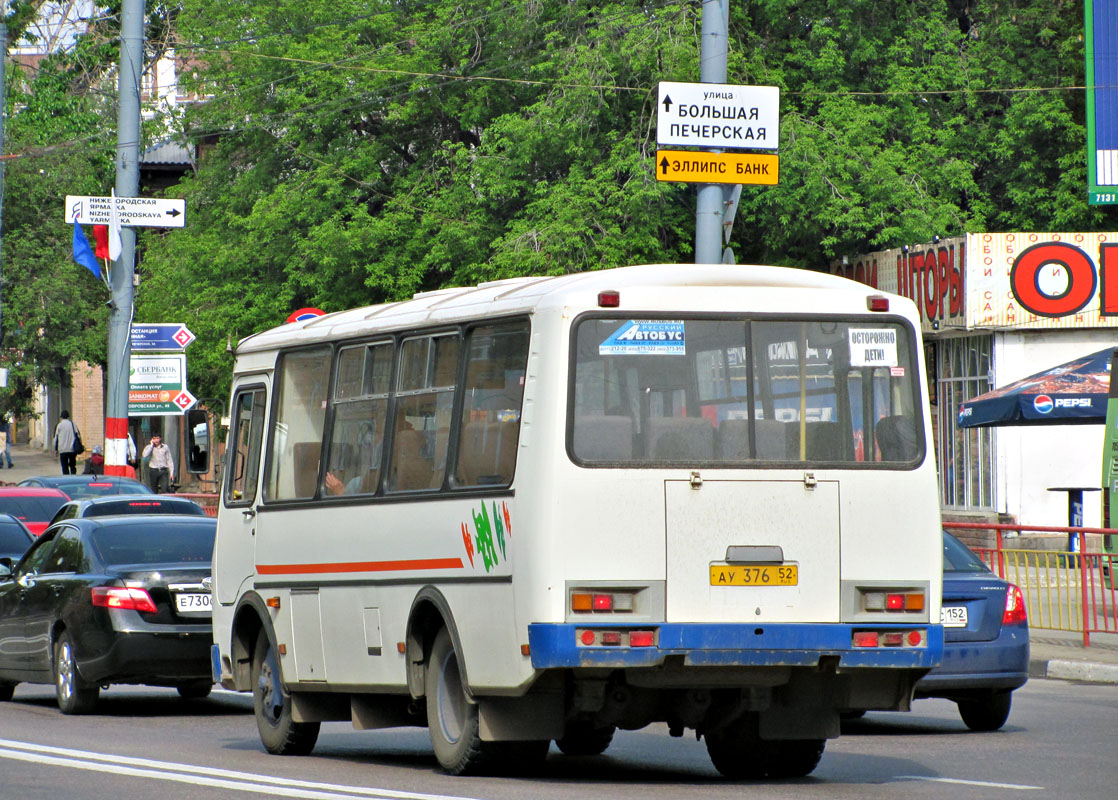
(33, 506)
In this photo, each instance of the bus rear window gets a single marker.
(740, 391)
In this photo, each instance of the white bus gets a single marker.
(547, 508)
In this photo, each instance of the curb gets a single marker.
(1081, 671)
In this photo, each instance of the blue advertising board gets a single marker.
(166, 336)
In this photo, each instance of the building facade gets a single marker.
(997, 307)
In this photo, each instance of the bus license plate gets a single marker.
(193, 603)
(776, 575)
(953, 616)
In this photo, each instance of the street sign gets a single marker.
(135, 212)
(157, 385)
(305, 313)
(160, 336)
(688, 166)
(718, 116)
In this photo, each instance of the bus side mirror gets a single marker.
(198, 441)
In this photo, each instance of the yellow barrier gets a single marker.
(1063, 590)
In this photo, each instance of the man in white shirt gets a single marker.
(161, 466)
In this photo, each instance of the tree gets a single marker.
(58, 142)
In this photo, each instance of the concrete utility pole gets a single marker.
(123, 269)
(709, 203)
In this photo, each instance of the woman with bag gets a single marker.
(67, 443)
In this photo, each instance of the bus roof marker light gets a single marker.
(609, 299)
(877, 303)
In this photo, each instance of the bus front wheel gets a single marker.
(279, 733)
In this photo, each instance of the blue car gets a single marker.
(986, 641)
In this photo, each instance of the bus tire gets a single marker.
(581, 738)
(279, 733)
(198, 690)
(987, 713)
(739, 753)
(452, 719)
(74, 695)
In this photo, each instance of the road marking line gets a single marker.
(202, 776)
(1021, 786)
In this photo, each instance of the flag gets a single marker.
(101, 235)
(82, 254)
(114, 230)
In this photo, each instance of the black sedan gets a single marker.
(15, 538)
(105, 600)
(78, 486)
(114, 504)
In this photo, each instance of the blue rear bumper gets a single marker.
(728, 645)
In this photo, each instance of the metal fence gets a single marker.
(207, 500)
(1066, 590)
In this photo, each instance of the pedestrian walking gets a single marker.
(66, 437)
(161, 466)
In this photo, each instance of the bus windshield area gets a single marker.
(739, 391)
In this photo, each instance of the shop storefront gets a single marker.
(997, 307)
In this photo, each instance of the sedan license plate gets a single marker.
(953, 616)
(193, 603)
(744, 575)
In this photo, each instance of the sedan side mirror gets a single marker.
(5, 569)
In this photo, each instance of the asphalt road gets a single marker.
(147, 743)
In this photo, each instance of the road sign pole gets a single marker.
(712, 69)
(127, 185)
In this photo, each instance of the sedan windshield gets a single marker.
(957, 557)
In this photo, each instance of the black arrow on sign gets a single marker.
(667, 102)
(174, 212)
(664, 165)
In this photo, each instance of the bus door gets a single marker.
(237, 520)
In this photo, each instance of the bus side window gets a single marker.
(497, 358)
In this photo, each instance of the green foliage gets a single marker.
(58, 133)
(359, 151)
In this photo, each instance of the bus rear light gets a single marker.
(893, 601)
(602, 602)
(877, 303)
(612, 638)
(641, 639)
(891, 638)
(865, 638)
(587, 638)
(609, 299)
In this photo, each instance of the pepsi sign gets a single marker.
(1043, 404)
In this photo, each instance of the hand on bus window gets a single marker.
(333, 484)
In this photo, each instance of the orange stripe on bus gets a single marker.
(360, 566)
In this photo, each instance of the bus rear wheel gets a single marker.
(739, 753)
(279, 733)
(583, 739)
(452, 718)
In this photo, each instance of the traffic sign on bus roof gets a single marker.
(718, 116)
(135, 212)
